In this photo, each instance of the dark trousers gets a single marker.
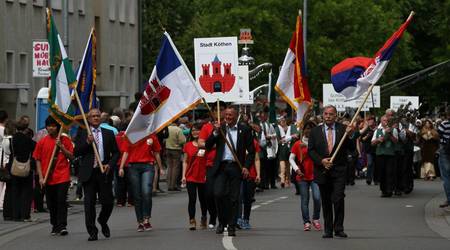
(270, 170)
(332, 195)
(351, 169)
(226, 192)
(387, 165)
(409, 172)
(192, 190)
(38, 195)
(399, 175)
(246, 198)
(122, 188)
(100, 184)
(18, 198)
(56, 197)
(210, 201)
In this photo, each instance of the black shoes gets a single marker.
(327, 236)
(341, 234)
(219, 229)
(231, 231)
(93, 237)
(63, 232)
(105, 231)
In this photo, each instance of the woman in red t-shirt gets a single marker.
(303, 166)
(194, 176)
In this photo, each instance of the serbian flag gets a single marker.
(170, 93)
(292, 83)
(353, 76)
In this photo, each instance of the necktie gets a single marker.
(97, 139)
(330, 139)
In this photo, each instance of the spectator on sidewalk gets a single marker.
(174, 145)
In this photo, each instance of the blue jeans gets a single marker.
(304, 200)
(141, 180)
(444, 166)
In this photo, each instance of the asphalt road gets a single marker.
(371, 223)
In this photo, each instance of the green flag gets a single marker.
(272, 99)
(62, 77)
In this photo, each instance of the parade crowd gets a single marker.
(223, 175)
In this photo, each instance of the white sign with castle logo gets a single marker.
(216, 68)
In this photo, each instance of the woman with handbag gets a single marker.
(19, 191)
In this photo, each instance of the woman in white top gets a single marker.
(5, 152)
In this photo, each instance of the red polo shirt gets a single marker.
(196, 165)
(121, 141)
(205, 132)
(307, 166)
(142, 151)
(252, 171)
(43, 153)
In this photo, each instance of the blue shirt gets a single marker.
(233, 131)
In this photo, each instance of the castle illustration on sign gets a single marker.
(154, 97)
(217, 82)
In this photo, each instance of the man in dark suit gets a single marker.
(331, 176)
(94, 181)
(226, 169)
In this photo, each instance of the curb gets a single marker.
(438, 219)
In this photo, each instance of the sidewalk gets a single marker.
(438, 219)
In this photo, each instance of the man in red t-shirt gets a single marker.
(58, 181)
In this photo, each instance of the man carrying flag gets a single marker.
(53, 151)
(292, 83)
(169, 94)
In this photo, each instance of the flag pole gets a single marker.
(352, 121)
(89, 132)
(204, 102)
(218, 110)
(52, 157)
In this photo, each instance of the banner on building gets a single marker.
(331, 97)
(397, 101)
(216, 68)
(41, 59)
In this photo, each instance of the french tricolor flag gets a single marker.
(353, 76)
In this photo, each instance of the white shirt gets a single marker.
(97, 133)
(233, 131)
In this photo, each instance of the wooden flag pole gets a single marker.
(52, 158)
(89, 132)
(218, 110)
(351, 123)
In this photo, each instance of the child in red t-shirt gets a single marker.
(58, 180)
(194, 176)
(303, 166)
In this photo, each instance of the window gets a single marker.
(23, 1)
(10, 67)
(122, 11)
(38, 3)
(23, 62)
(131, 79)
(132, 12)
(112, 10)
(81, 7)
(10, 1)
(122, 82)
(71, 6)
(112, 77)
(56, 4)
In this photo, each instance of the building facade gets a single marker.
(24, 21)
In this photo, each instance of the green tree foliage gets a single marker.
(337, 29)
